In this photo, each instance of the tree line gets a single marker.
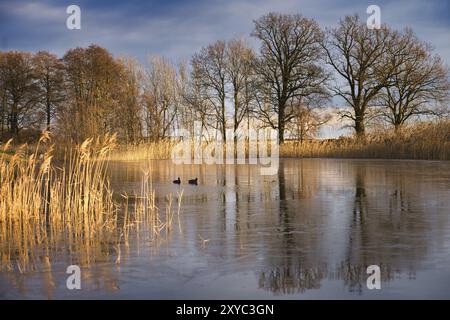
(378, 73)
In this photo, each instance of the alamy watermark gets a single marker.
(374, 280)
(374, 20)
(73, 21)
(244, 146)
(74, 280)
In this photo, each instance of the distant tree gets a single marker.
(419, 84)
(197, 100)
(186, 114)
(19, 90)
(240, 73)
(3, 108)
(49, 72)
(160, 98)
(129, 110)
(288, 65)
(210, 67)
(307, 122)
(93, 79)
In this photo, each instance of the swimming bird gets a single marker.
(193, 181)
(178, 181)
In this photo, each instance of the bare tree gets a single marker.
(3, 107)
(239, 68)
(307, 122)
(357, 54)
(128, 120)
(288, 65)
(419, 85)
(210, 65)
(49, 72)
(93, 79)
(160, 98)
(185, 117)
(19, 90)
(197, 100)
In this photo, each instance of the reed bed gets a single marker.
(426, 141)
(163, 150)
(421, 141)
(42, 203)
(143, 151)
(47, 208)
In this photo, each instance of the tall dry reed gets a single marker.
(48, 206)
(143, 151)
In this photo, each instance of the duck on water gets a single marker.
(190, 181)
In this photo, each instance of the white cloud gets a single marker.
(34, 11)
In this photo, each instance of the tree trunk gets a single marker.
(281, 133)
(48, 112)
(14, 122)
(359, 126)
(236, 125)
(281, 124)
(224, 127)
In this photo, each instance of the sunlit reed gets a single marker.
(48, 206)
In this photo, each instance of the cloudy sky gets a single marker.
(178, 28)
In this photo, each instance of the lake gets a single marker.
(307, 233)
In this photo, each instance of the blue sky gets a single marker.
(177, 29)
